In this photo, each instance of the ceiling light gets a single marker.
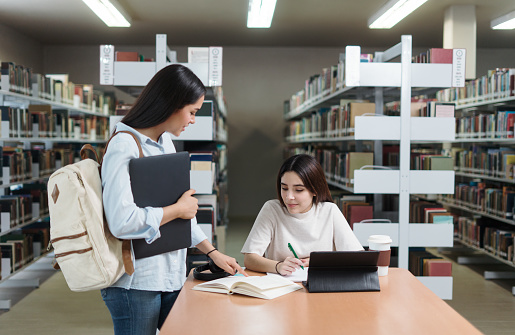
(261, 13)
(504, 22)
(393, 12)
(109, 11)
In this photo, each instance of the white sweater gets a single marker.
(322, 228)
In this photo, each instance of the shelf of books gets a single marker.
(205, 140)
(45, 119)
(334, 120)
(483, 156)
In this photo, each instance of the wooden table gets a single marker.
(403, 306)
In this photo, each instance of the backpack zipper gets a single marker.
(80, 179)
(73, 252)
(69, 237)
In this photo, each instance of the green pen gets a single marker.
(294, 254)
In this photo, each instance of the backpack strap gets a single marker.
(126, 132)
(126, 244)
(85, 148)
(88, 147)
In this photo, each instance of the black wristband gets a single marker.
(211, 251)
(276, 266)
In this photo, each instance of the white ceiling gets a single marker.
(304, 23)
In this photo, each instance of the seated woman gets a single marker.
(304, 215)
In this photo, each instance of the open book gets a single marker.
(264, 287)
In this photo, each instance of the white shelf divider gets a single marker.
(379, 127)
(441, 286)
(388, 182)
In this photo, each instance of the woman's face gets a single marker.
(296, 197)
(178, 121)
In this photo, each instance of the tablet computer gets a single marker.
(342, 271)
(344, 259)
(159, 181)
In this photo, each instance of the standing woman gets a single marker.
(140, 303)
(304, 215)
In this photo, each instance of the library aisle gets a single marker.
(54, 309)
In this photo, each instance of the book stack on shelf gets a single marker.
(329, 122)
(493, 238)
(423, 263)
(327, 82)
(434, 56)
(496, 125)
(355, 208)
(497, 84)
(54, 87)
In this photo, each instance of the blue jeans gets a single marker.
(136, 312)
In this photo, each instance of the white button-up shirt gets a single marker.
(165, 272)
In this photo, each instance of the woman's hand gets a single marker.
(227, 263)
(288, 266)
(188, 205)
(305, 261)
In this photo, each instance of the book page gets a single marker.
(265, 287)
(268, 293)
(223, 283)
(298, 276)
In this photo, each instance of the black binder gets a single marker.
(342, 271)
(159, 181)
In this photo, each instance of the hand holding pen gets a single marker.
(294, 254)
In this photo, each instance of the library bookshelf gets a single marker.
(39, 133)
(484, 180)
(206, 140)
(371, 80)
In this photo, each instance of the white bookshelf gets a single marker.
(16, 100)
(208, 69)
(370, 79)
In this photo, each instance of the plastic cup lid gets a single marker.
(379, 239)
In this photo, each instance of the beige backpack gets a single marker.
(89, 256)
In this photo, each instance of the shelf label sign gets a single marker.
(458, 67)
(215, 66)
(107, 64)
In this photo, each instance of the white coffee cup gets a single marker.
(382, 244)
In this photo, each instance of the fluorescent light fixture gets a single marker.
(504, 22)
(392, 13)
(261, 13)
(109, 11)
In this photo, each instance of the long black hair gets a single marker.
(312, 175)
(172, 88)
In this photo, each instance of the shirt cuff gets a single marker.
(197, 235)
(154, 217)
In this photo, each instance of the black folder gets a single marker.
(159, 181)
(343, 271)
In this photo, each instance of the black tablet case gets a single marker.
(159, 181)
(343, 271)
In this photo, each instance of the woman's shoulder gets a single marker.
(328, 207)
(273, 204)
(122, 143)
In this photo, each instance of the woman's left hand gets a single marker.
(227, 263)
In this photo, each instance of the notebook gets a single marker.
(159, 181)
(342, 271)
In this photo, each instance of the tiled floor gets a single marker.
(54, 309)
